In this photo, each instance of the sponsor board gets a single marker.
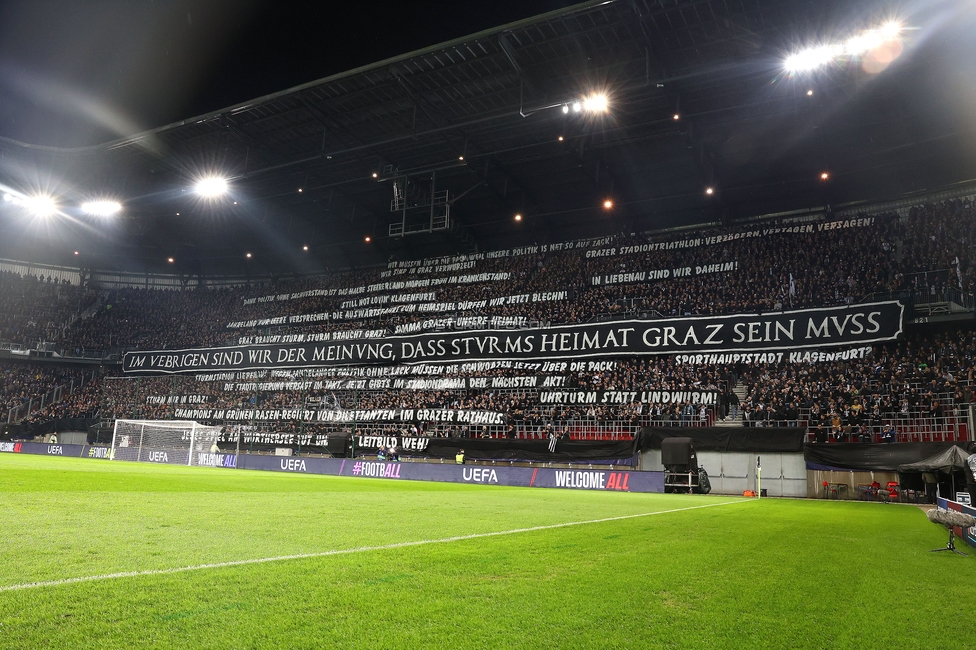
(544, 477)
(44, 448)
(595, 479)
(217, 460)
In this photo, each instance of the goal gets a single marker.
(176, 442)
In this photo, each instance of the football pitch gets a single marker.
(102, 554)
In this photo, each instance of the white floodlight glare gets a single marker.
(596, 103)
(565, 108)
(863, 42)
(891, 29)
(40, 205)
(211, 186)
(577, 107)
(812, 58)
(869, 39)
(101, 208)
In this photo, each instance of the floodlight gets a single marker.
(41, 205)
(677, 117)
(809, 93)
(170, 260)
(608, 204)
(577, 107)
(854, 46)
(7, 197)
(101, 208)
(565, 108)
(709, 190)
(368, 239)
(863, 42)
(248, 256)
(77, 253)
(304, 248)
(891, 29)
(518, 217)
(812, 58)
(375, 175)
(824, 176)
(211, 186)
(561, 138)
(595, 103)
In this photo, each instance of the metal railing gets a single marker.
(911, 428)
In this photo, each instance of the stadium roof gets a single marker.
(698, 98)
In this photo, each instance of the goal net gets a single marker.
(177, 442)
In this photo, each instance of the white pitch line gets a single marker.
(344, 551)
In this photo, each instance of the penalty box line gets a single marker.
(346, 551)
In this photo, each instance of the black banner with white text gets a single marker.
(787, 330)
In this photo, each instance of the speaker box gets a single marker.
(676, 451)
(338, 445)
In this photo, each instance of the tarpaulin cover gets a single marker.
(750, 439)
(866, 456)
(946, 460)
(50, 426)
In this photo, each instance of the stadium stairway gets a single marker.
(729, 421)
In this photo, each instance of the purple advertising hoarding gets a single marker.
(548, 477)
(578, 479)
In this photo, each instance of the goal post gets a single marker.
(174, 442)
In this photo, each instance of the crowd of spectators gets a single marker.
(919, 378)
(24, 383)
(929, 251)
(37, 308)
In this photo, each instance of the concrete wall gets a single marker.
(783, 475)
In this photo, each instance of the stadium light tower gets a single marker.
(211, 186)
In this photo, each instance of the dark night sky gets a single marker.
(77, 73)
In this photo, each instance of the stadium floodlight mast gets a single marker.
(101, 208)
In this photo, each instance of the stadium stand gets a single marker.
(920, 387)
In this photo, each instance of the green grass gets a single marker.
(775, 573)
